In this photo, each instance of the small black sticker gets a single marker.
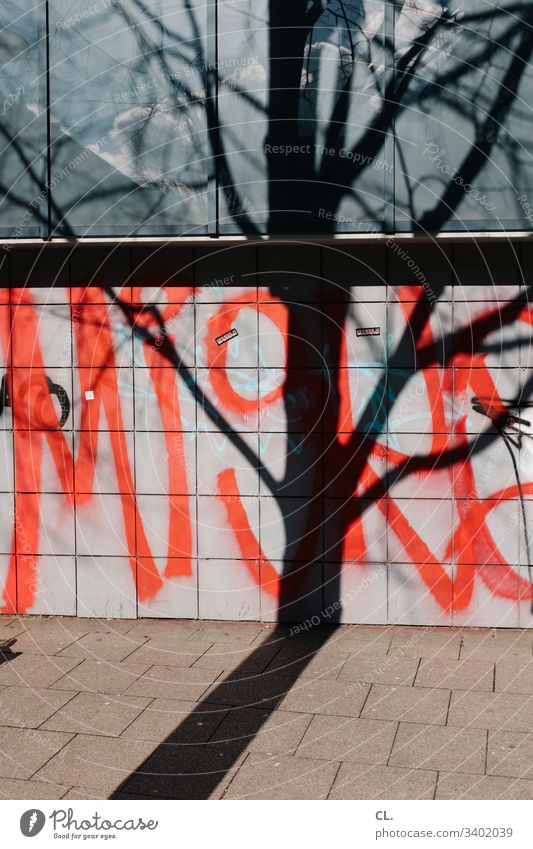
(368, 331)
(231, 334)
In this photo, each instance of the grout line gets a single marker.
(393, 743)
(328, 794)
(448, 708)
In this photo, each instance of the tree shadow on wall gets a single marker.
(238, 709)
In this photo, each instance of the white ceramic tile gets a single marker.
(217, 457)
(228, 590)
(178, 596)
(165, 463)
(410, 597)
(100, 526)
(106, 588)
(155, 513)
(53, 581)
(224, 527)
(356, 593)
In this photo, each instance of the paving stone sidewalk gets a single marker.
(93, 709)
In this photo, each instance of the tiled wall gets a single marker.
(169, 475)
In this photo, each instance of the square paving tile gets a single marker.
(439, 747)
(173, 682)
(227, 657)
(95, 762)
(362, 740)
(263, 731)
(510, 753)
(459, 786)
(335, 698)
(48, 638)
(183, 654)
(505, 645)
(264, 690)
(380, 669)
(514, 676)
(456, 674)
(26, 707)
(96, 713)
(102, 676)
(407, 704)
(362, 781)
(186, 772)
(15, 788)
(443, 644)
(35, 670)
(172, 720)
(355, 638)
(282, 778)
(24, 750)
(103, 646)
(163, 628)
(321, 664)
(509, 711)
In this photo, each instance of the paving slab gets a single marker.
(325, 664)
(362, 781)
(186, 772)
(258, 730)
(226, 657)
(334, 698)
(24, 750)
(156, 651)
(96, 713)
(265, 690)
(427, 643)
(510, 753)
(101, 645)
(408, 704)
(14, 788)
(491, 644)
(34, 670)
(439, 747)
(27, 707)
(456, 674)
(172, 720)
(460, 786)
(336, 738)
(282, 778)
(508, 711)
(514, 676)
(163, 628)
(173, 682)
(102, 676)
(47, 638)
(95, 762)
(380, 669)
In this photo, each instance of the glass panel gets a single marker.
(465, 124)
(128, 116)
(300, 101)
(22, 118)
